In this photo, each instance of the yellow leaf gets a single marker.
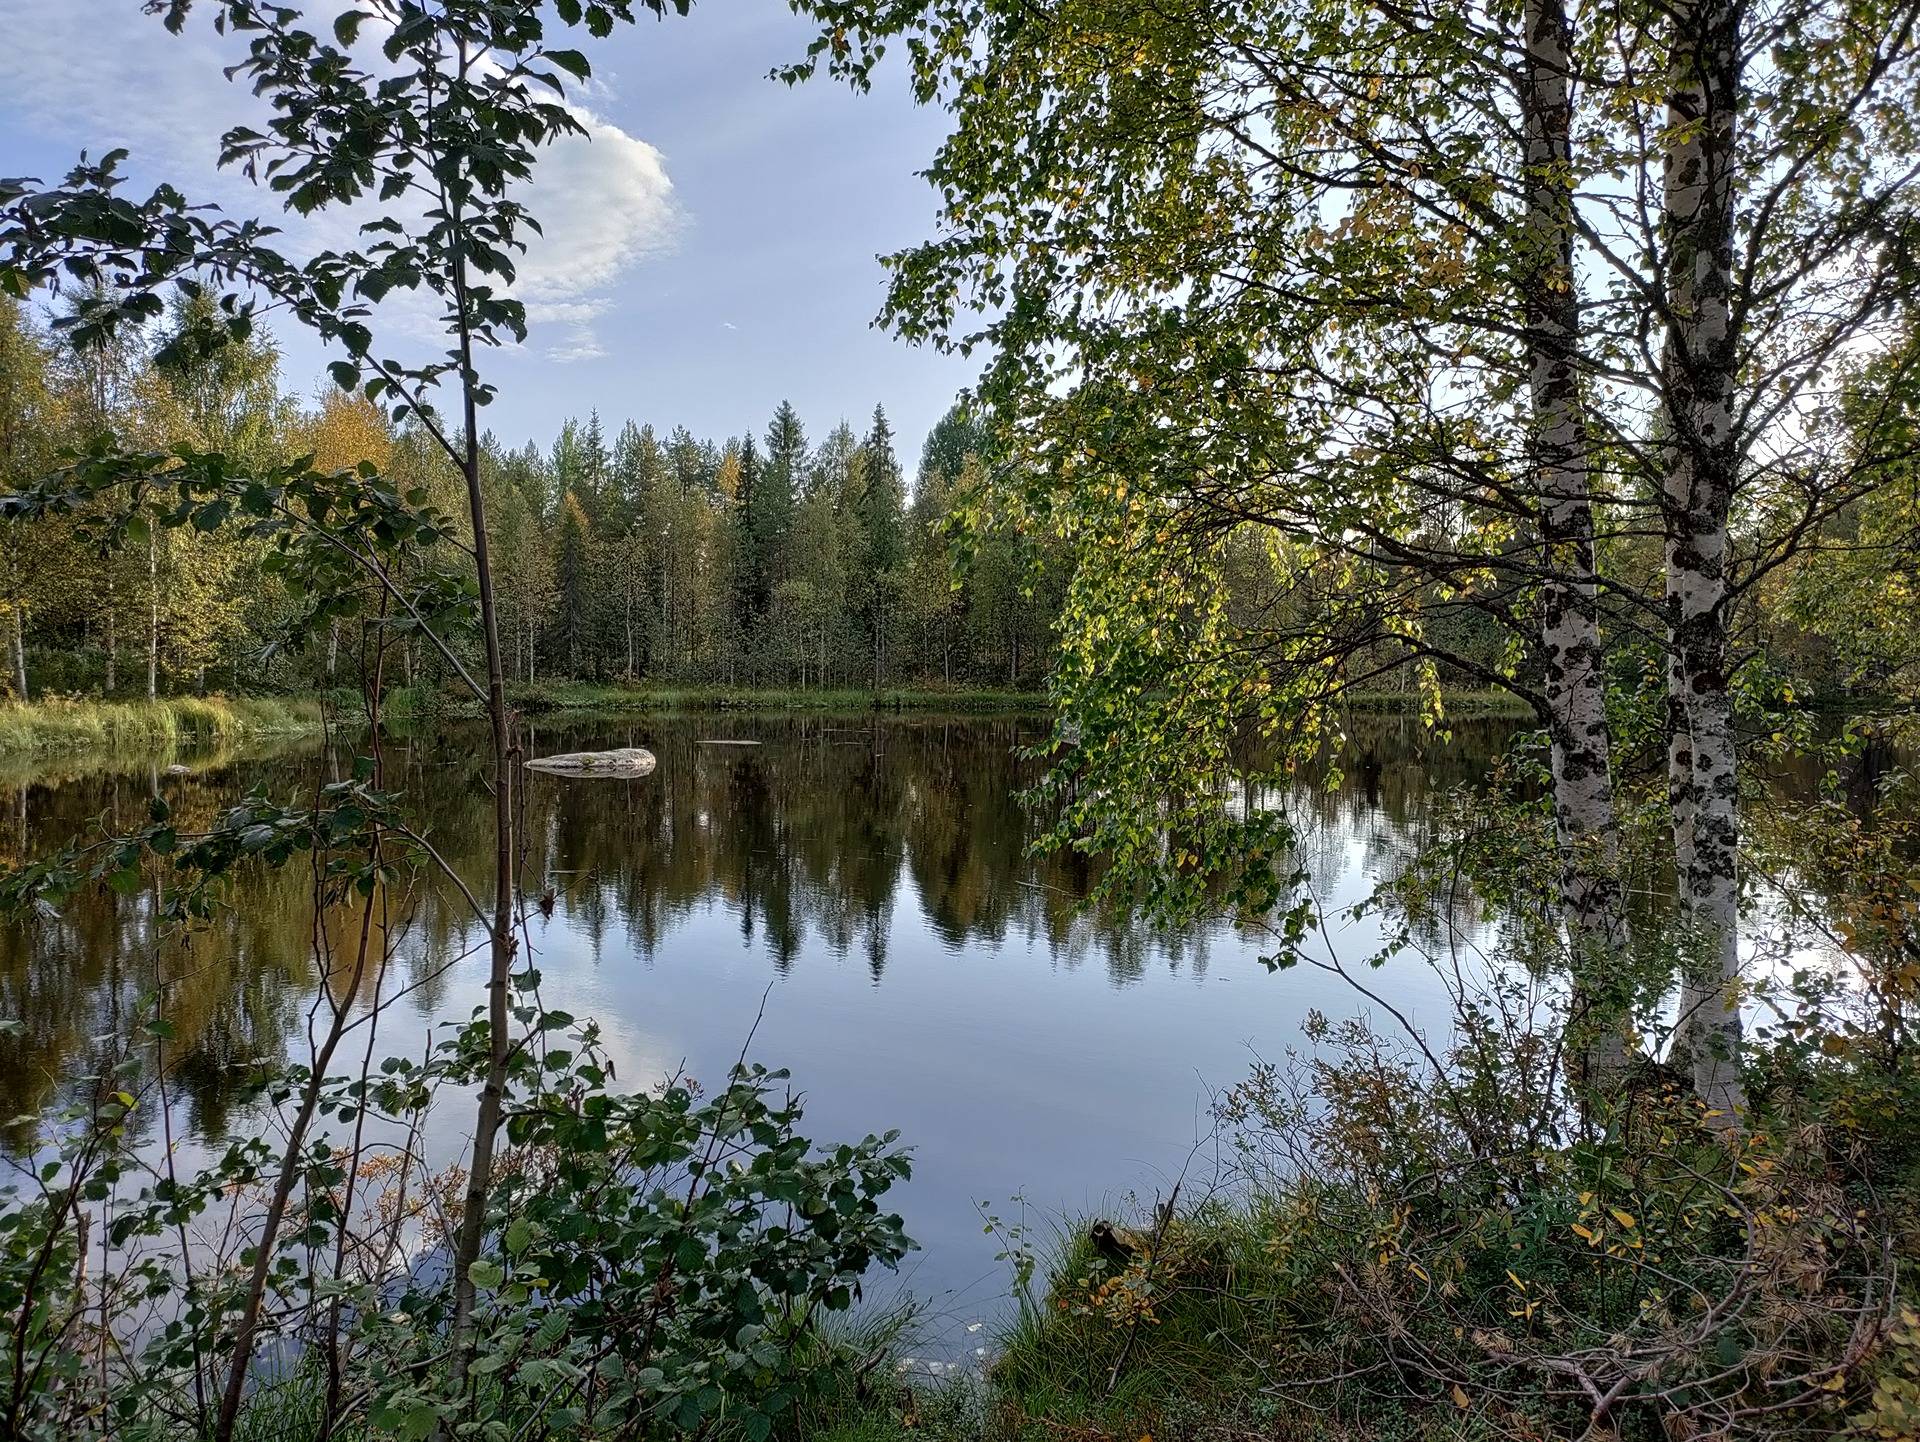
(1625, 1219)
(1587, 1233)
(1460, 1398)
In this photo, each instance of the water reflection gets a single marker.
(927, 972)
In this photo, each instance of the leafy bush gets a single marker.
(656, 1262)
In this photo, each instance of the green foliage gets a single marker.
(150, 726)
(657, 1263)
(634, 1265)
(1399, 1245)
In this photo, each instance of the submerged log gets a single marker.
(624, 761)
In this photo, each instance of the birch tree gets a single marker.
(1449, 310)
(1302, 274)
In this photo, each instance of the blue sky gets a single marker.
(711, 250)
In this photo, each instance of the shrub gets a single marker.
(657, 1262)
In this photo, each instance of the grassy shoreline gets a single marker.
(67, 725)
(62, 725)
(1197, 1362)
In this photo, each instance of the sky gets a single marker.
(710, 251)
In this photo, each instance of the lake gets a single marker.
(866, 879)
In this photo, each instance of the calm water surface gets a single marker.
(869, 878)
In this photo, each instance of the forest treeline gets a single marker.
(623, 552)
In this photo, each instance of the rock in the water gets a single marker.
(179, 770)
(625, 761)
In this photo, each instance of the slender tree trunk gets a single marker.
(293, 1159)
(19, 649)
(1580, 743)
(628, 588)
(501, 941)
(153, 616)
(1702, 462)
(113, 639)
(333, 648)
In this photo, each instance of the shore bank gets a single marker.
(77, 724)
(62, 724)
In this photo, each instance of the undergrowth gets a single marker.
(63, 724)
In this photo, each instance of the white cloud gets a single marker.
(604, 203)
(604, 199)
(584, 346)
(92, 76)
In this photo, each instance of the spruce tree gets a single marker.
(881, 509)
(779, 486)
(750, 589)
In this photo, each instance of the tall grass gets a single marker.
(75, 725)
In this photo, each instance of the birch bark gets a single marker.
(1702, 463)
(1580, 742)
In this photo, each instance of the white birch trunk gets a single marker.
(19, 649)
(1580, 742)
(153, 617)
(113, 640)
(1702, 462)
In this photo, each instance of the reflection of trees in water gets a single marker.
(819, 832)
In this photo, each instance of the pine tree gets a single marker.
(777, 488)
(595, 484)
(765, 507)
(749, 584)
(583, 467)
(938, 597)
(881, 509)
(574, 589)
(958, 434)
